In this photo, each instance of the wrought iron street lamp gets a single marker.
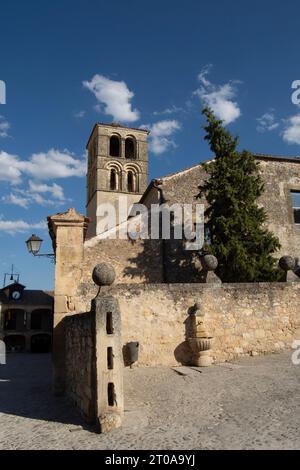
(34, 245)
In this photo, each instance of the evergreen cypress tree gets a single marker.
(238, 237)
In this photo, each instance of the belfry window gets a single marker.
(129, 148)
(113, 180)
(295, 196)
(130, 182)
(114, 146)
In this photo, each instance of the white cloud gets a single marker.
(4, 127)
(291, 134)
(267, 122)
(42, 166)
(172, 110)
(10, 168)
(115, 96)
(55, 189)
(19, 226)
(24, 198)
(16, 200)
(42, 201)
(53, 164)
(161, 131)
(80, 114)
(220, 98)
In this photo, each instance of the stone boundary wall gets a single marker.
(93, 363)
(244, 319)
(80, 363)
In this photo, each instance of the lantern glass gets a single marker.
(34, 244)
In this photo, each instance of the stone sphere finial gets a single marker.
(209, 262)
(287, 263)
(103, 274)
(198, 310)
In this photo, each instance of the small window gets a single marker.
(114, 146)
(113, 180)
(110, 358)
(111, 395)
(109, 324)
(130, 182)
(129, 148)
(296, 206)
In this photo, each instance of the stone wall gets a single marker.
(80, 363)
(140, 262)
(134, 261)
(280, 177)
(244, 319)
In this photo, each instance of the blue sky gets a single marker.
(68, 64)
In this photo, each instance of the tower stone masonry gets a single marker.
(117, 166)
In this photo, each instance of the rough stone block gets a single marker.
(109, 421)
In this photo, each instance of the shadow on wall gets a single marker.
(164, 261)
(181, 265)
(183, 353)
(148, 264)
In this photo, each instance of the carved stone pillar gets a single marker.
(108, 352)
(67, 231)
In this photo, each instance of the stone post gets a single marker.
(67, 231)
(108, 351)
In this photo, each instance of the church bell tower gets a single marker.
(117, 166)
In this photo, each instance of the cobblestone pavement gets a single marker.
(252, 403)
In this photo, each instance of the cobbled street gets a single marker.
(250, 404)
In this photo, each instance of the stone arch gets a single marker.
(15, 342)
(132, 166)
(14, 319)
(131, 181)
(132, 177)
(130, 147)
(41, 319)
(115, 145)
(114, 180)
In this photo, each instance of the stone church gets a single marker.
(157, 281)
(118, 167)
